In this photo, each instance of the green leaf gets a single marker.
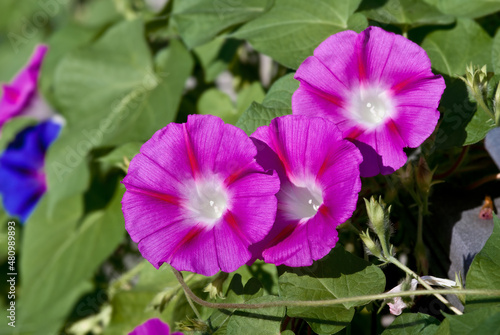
(215, 56)
(457, 112)
(280, 94)
(249, 94)
(496, 53)
(258, 115)
(338, 275)
(236, 293)
(124, 152)
(484, 272)
(60, 44)
(480, 124)
(58, 264)
(292, 29)
(12, 127)
(14, 54)
(132, 307)
(452, 50)
(276, 103)
(466, 8)
(266, 320)
(481, 321)
(98, 13)
(218, 103)
(409, 324)
(111, 93)
(199, 21)
(408, 13)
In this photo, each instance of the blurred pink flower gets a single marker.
(153, 327)
(21, 97)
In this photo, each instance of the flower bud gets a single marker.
(192, 325)
(371, 246)
(423, 176)
(214, 288)
(378, 214)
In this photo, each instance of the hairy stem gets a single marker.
(330, 302)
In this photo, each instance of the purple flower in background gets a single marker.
(21, 98)
(378, 88)
(319, 173)
(196, 197)
(153, 327)
(22, 168)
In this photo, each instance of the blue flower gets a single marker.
(22, 168)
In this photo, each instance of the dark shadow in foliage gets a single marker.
(424, 322)
(258, 316)
(371, 4)
(467, 261)
(418, 34)
(330, 266)
(265, 278)
(457, 111)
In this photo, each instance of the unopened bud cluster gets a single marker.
(481, 86)
(379, 223)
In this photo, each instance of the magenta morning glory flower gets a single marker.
(196, 197)
(378, 88)
(319, 174)
(153, 327)
(21, 97)
(22, 172)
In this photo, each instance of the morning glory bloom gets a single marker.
(378, 88)
(22, 168)
(196, 197)
(319, 174)
(21, 97)
(153, 327)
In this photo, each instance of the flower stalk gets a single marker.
(329, 302)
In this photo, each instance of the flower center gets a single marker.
(208, 201)
(371, 106)
(300, 202)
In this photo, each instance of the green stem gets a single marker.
(420, 250)
(193, 307)
(126, 278)
(482, 104)
(406, 269)
(330, 302)
(420, 225)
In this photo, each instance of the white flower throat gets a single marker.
(371, 106)
(300, 202)
(208, 201)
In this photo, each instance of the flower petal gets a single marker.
(153, 326)
(391, 59)
(322, 170)
(293, 251)
(18, 93)
(226, 150)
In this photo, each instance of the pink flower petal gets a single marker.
(293, 250)
(390, 59)
(153, 327)
(320, 182)
(378, 88)
(196, 197)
